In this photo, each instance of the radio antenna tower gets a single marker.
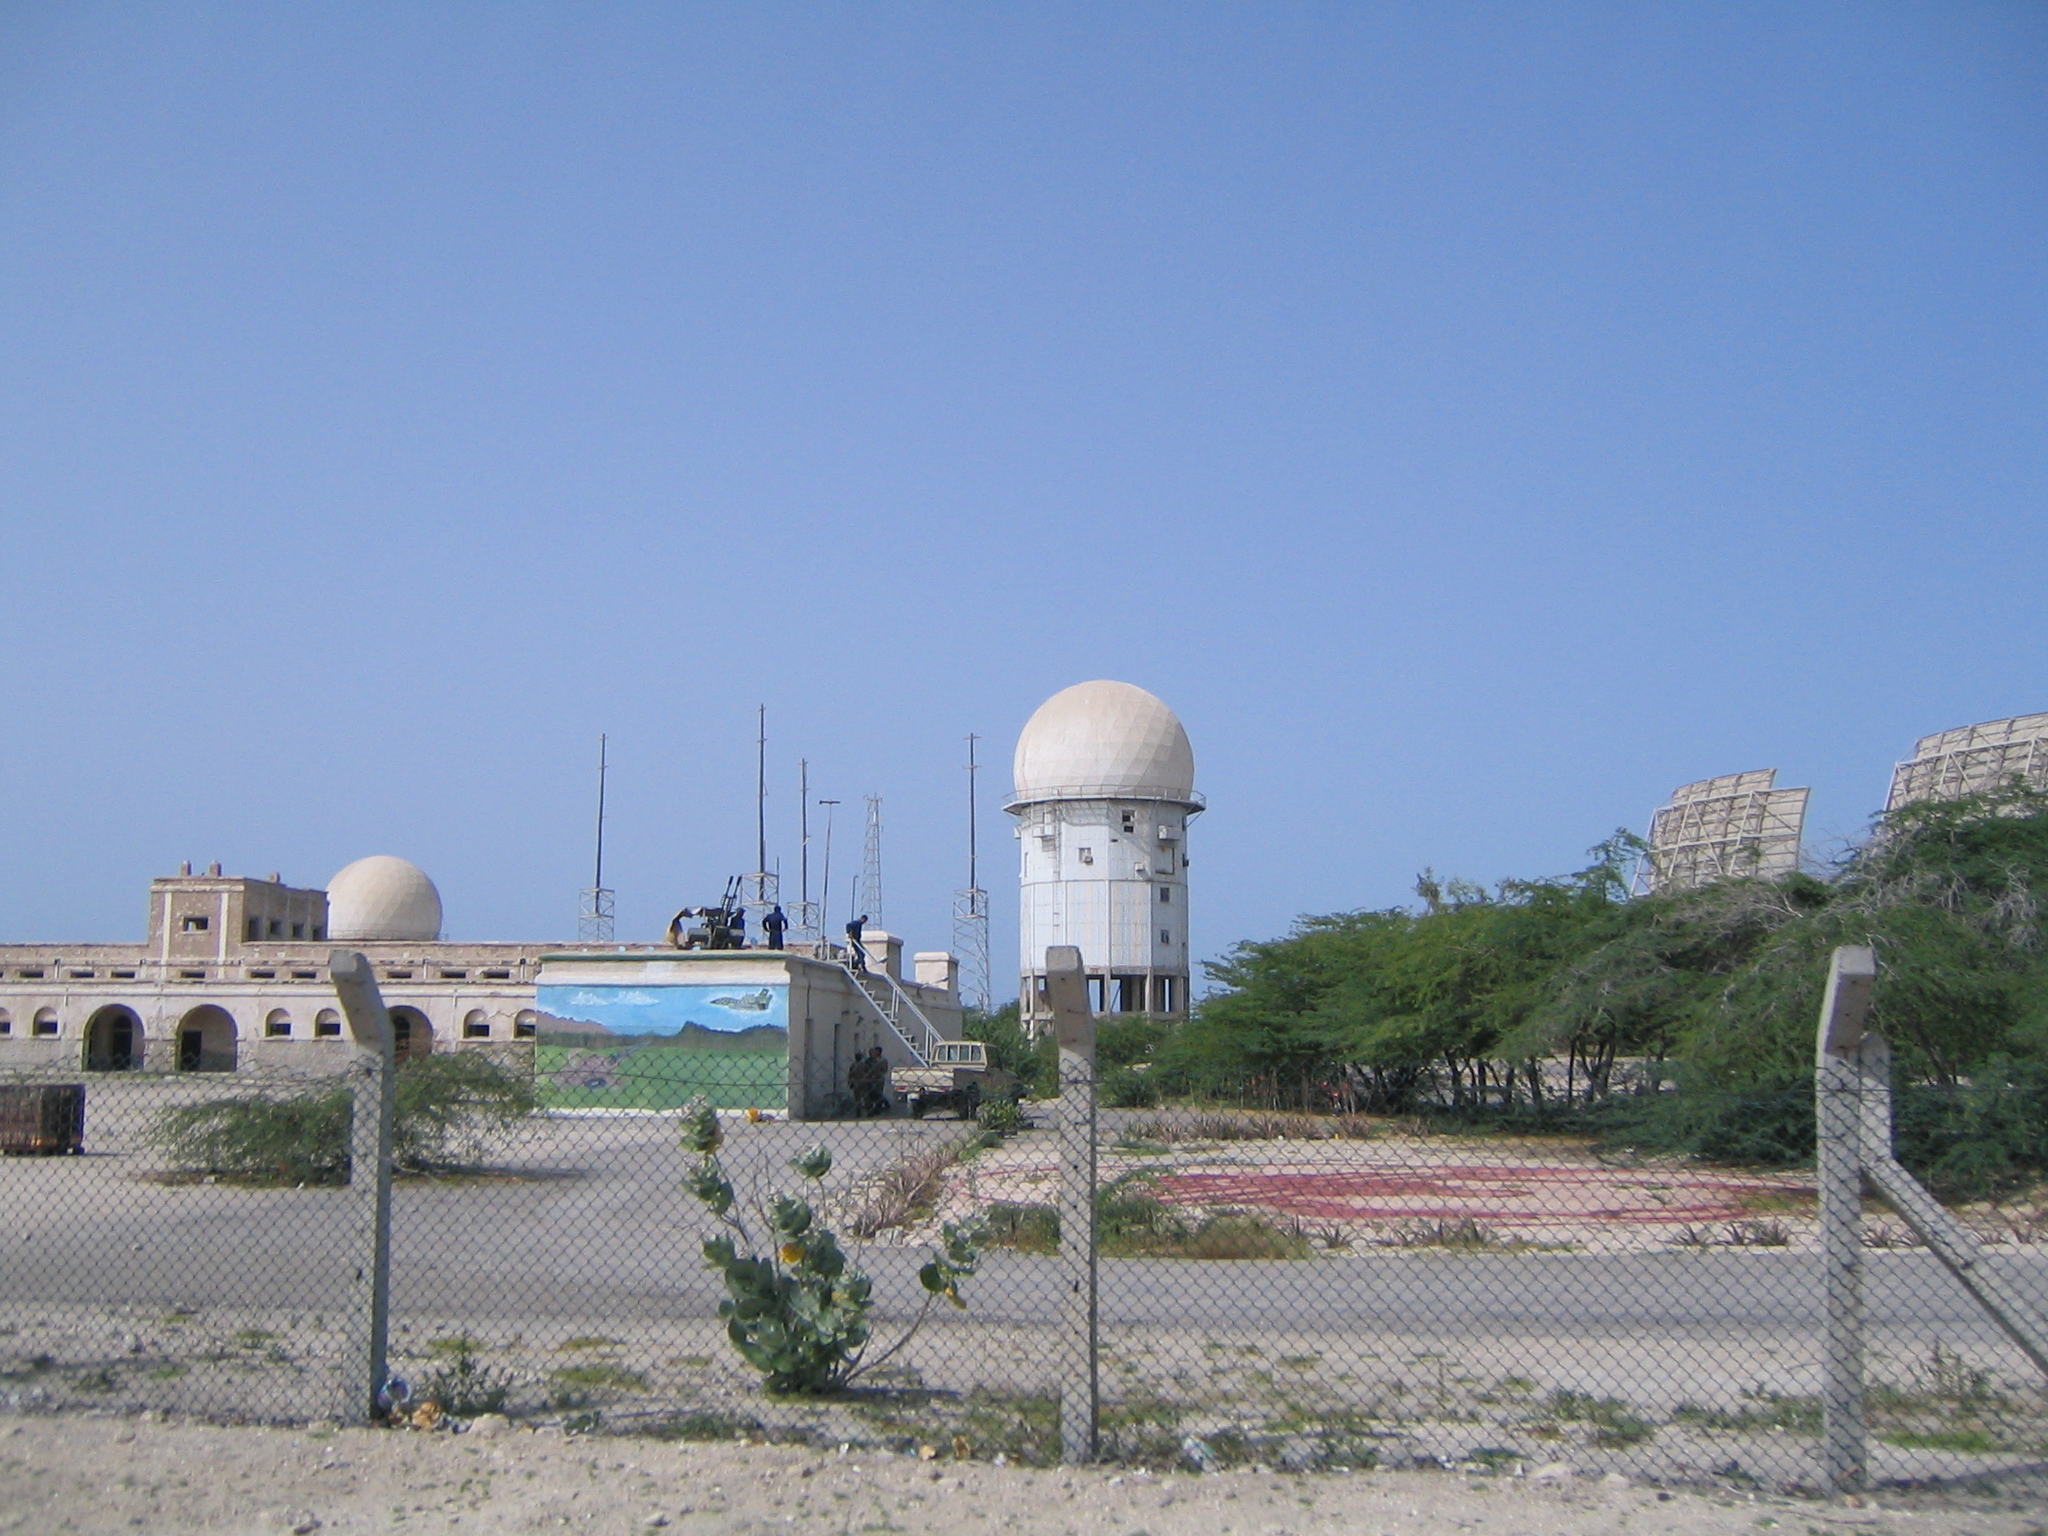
(871, 866)
(970, 909)
(809, 924)
(762, 890)
(594, 920)
(825, 895)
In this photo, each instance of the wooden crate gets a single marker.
(42, 1117)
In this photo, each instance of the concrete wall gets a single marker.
(1110, 877)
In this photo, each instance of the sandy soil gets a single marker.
(111, 1474)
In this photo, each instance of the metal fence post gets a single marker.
(366, 1332)
(1074, 1028)
(1838, 1088)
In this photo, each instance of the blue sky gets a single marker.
(1474, 420)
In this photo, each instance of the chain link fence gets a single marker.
(1293, 1289)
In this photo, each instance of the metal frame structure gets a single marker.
(1971, 760)
(970, 907)
(1735, 826)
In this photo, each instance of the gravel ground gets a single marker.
(84, 1474)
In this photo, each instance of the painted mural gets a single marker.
(642, 1046)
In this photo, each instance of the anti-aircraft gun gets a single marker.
(721, 927)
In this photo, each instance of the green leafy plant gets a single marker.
(794, 1309)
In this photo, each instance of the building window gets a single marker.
(476, 1025)
(124, 975)
(496, 975)
(1163, 999)
(319, 930)
(255, 929)
(1166, 895)
(1165, 936)
(326, 1025)
(394, 974)
(279, 1025)
(1128, 826)
(6, 1022)
(524, 1027)
(192, 922)
(263, 975)
(191, 975)
(28, 974)
(298, 930)
(276, 929)
(455, 975)
(305, 975)
(1087, 855)
(46, 1021)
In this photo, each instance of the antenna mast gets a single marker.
(809, 918)
(825, 895)
(761, 890)
(970, 908)
(871, 864)
(594, 920)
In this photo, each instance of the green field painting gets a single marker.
(654, 1077)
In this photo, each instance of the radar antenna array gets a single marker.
(1732, 827)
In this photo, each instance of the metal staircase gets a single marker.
(907, 1022)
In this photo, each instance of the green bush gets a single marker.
(798, 1313)
(1000, 1117)
(1034, 1062)
(448, 1110)
(260, 1138)
(1129, 1088)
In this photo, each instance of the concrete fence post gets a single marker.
(1074, 1029)
(366, 1332)
(1838, 1088)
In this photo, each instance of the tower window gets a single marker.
(1087, 855)
(255, 929)
(276, 929)
(1166, 895)
(1165, 936)
(192, 922)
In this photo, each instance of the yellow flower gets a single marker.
(753, 1117)
(792, 1252)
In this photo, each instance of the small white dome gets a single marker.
(1104, 740)
(382, 897)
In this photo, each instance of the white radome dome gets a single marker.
(1104, 740)
(382, 897)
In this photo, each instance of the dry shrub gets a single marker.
(1249, 1125)
(901, 1195)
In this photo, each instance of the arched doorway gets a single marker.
(206, 1040)
(113, 1040)
(411, 1034)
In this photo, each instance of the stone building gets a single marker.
(233, 974)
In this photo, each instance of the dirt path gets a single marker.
(74, 1473)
